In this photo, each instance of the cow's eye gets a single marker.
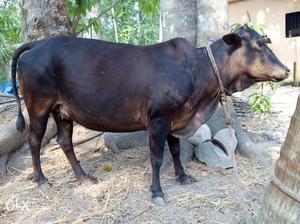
(260, 43)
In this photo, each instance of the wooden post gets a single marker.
(282, 199)
(294, 73)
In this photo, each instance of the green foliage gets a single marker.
(6, 52)
(137, 22)
(261, 103)
(235, 26)
(259, 28)
(260, 100)
(149, 7)
(133, 24)
(78, 11)
(131, 21)
(10, 34)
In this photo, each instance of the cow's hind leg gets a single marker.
(38, 111)
(64, 139)
(37, 130)
(158, 131)
(174, 146)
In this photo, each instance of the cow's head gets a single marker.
(248, 59)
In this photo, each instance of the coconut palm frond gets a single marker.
(6, 53)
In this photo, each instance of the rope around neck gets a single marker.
(228, 121)
(223, 97)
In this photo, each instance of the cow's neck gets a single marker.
(205, 97)
(233, 78)
(221, 56)
(206, 81)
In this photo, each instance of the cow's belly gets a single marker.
(95, 117)
(189, 126)
(111, 126)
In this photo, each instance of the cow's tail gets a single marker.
(25, 47)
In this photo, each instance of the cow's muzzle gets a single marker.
(282, 75)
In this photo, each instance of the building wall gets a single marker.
(271, 13)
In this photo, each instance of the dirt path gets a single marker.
(122, 195)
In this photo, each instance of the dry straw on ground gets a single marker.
(123, 196)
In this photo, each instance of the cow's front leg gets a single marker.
(158, 131)
(64, 139)
(174, 146)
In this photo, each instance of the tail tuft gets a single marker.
(20, 122)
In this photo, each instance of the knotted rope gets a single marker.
(228, 121)
(223, 97)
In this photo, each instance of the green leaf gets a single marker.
(96, 27)
(259, 28)
(149, 6)
(267, 100)
(235, 26)
(10, 34)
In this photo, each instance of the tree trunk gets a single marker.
(282, 200)
(212, 20)
(115, 24)
(178, 19)
(11, 138)
(43, 19)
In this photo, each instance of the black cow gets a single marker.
(169, 89)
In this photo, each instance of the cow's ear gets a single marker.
(232, 38)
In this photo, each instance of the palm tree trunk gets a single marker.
(282, 200)
(43, 19)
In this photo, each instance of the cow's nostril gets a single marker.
(288, 70)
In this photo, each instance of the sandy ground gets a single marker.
(123, 196)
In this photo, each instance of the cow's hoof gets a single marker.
(159, 201)
(186, 179)
(39, 179)
(87, 177)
